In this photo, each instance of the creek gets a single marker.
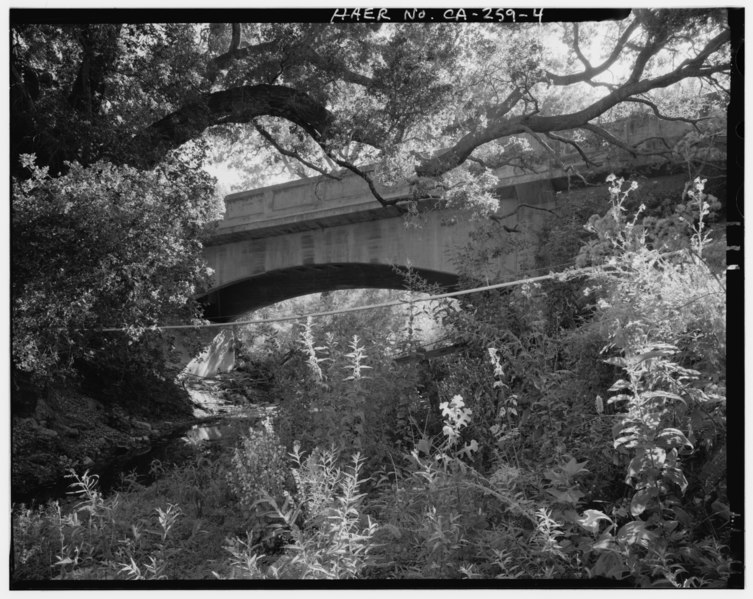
(217, 427)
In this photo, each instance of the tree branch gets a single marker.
(507, 104)
(513, 212)
(300, 54)
(369, 181)
(290, 153)
(235, 105)
(576, 47)
(223, 61)
(615, 141)
(332, 65)
(715, 44)
(235, 40)
(660, 138)
(99, 44)
(573, 143)
(590, 73)
(515, 161)
(365, 176)
(458, 153)
(656, 40)
(545, 145)
(663, 117)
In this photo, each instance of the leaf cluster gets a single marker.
(104, 246)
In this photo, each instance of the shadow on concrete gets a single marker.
(223, 304)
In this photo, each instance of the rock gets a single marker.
(46, 432)
(144, 426)
(68, 430)
(87, 462)
(92, 405)
(30, 422)
(43, 411)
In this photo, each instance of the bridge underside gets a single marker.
(231, 301)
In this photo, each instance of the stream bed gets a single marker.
(217, 425)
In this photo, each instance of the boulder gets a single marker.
(47, 432)
(141, 426)
(68, 430)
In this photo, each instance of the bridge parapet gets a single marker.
(286, 205)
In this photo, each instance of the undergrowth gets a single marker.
(580, 433)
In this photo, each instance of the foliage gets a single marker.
(535, 405)
(89, 539)
(259, 467)
(327, 536)
(335, 540)
(34, 542)
(307, 97)
(174, 528)
(347, 397)
(259, 470)
(580, 433)
(681, 300)
(657, 544)
(442, 518)
(661, 402)
(104, 246)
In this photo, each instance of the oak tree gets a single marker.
(422, 100)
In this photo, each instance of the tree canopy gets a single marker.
(421, 100)
(104, 246)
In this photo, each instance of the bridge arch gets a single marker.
(225, 303)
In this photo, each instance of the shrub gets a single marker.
(104, 246)
(653, 303)
(350, 397)
(325, 532)
(259, 467)
(174, 528)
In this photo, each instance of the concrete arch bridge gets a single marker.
(322, 234)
